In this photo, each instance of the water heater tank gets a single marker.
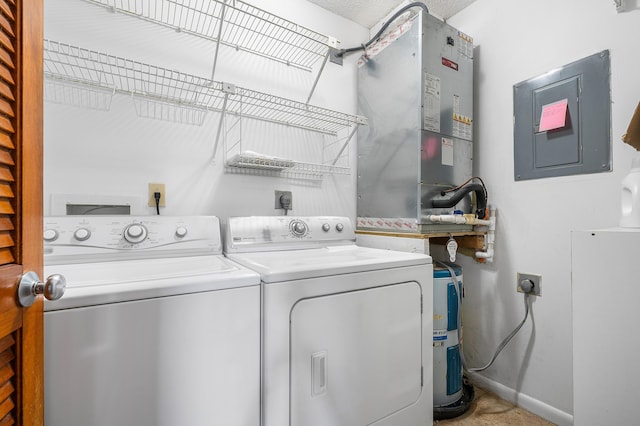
(452, 397)
(447, 364)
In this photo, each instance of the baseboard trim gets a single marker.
(533, 405)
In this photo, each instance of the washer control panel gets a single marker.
(298, 228)
(285, 232)
(105, 238)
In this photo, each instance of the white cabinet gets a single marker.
(605, 292)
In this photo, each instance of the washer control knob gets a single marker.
(50, 235)
(181, 232)
(82, 234)
(325, 227)
(135, 233)
(339, 227)
(298, 228)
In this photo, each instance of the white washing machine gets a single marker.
(156, 327)
(346, 330)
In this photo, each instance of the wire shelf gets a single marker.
(249, 161)
(298, 171)
(328, 153)
(65, 93)
(169, 112)
(232, 23)
(72, 64)
(99, 70)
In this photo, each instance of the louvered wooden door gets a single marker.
(21, 338)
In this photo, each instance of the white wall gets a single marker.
(516, 41)
(117, 153)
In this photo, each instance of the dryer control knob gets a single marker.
(181, 232)
(339, 227)
(50, 235)
(326, 227)
(82, 234)
(135, 233)
(298, 228)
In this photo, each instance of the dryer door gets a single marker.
(356, 356)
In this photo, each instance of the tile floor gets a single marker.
(489, 410)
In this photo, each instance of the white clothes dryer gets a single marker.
(156, 327)
(346, 330)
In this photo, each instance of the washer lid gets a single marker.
(277, 266)
(111, 282)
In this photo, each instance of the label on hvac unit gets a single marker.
(431, 99)
(465, 45)
(462, 127)
(456, 104)
(449, 63)
(439, 336)
(447, 152)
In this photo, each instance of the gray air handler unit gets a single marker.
(415, 86)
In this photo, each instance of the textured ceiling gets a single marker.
(368, 13)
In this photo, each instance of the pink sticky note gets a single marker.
(553, 115)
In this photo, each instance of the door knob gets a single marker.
(30, 286)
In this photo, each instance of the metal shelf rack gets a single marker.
(168, 94)
(235, 24)
(248, 164)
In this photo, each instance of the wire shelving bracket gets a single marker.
(154, 89)
(236, 24)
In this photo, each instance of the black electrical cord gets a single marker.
(480, 190)
(481, 200)
(375, 38)
(484, 187)
(285, 203)
(156, 196)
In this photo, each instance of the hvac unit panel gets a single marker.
(389, 87)
(417, 94)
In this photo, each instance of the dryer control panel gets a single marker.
(265, 233)
(109, 238)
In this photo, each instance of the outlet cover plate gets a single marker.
(279, 194)
(157, 187)
(536, 279)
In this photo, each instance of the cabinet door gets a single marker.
(356, 356)
(605, 292)
(21, 348)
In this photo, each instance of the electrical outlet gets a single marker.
(334, 56)
(283, 196)
(157, 187)
(536, 280)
